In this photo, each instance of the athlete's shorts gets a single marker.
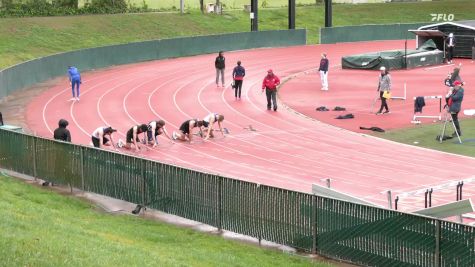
(96, 141)
(150, 135)
(185, 128)
(130, 136)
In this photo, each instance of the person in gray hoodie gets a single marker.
(384, 86)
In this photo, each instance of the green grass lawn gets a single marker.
(235, 4)
(27, 38)
(425, 135)
(43, 228)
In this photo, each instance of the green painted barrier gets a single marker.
(41, 69)
(356, 233)
(368, 33)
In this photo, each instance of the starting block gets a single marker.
(250, 128)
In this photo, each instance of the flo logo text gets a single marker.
(442, 17)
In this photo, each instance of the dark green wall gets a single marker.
(368, 33)
(41, 69)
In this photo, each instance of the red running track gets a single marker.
(286, 150)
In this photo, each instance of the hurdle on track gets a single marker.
(439, 117)
(401, 97)
(461, 209)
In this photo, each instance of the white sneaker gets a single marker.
(77, 98)
(72, 99)
(120, 144)
(174, 137)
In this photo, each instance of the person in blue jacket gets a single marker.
(75, 80)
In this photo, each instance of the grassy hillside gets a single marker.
(27, 38)
(42, 228)
(235, 4)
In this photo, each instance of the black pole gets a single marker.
(425, 198)
(405, 53)
(291, 14)
(458, 185)
(254, 19)
(430, 197)
(460, 194)
(328, 13)
(395, 202)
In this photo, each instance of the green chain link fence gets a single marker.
(341, 230)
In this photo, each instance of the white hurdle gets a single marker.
(439, 117)
(401, 97)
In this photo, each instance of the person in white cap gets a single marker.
(450, 47)
(384, 85)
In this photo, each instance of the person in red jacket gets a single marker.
(270, 85)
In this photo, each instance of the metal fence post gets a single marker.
(314, 224)
(258, 207)
(390, 200)
(220, 205)
(35, 171)
(437, 243)
(82, 168)
(144, 185)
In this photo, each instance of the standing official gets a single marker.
(384, 88)
(220, 65)
(323, 69)
(238, 75)
(270, 83)
(454, 101)
(450, 42)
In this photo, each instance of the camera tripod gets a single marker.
(448, 118)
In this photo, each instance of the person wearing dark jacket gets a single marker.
(238, 75)
(270, 83)
(61, 133)
(323, 69)
(219, 64)
(1, 119)
(450, 42)
(454, 101)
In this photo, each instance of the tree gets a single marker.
(202, 6)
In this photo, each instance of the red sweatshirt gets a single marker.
(270, 82)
